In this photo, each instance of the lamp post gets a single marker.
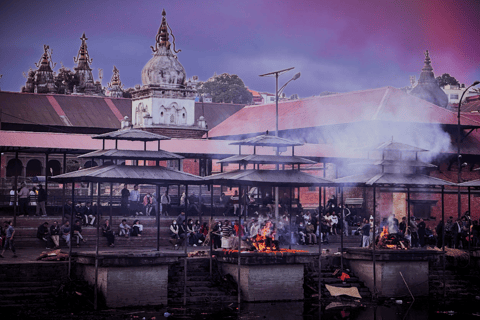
(459, 140)
(277, 93)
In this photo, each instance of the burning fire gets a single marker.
(262, 242)
(391, 241)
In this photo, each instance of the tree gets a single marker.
(446, 79)
(226, 88)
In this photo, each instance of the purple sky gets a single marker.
(337, 45)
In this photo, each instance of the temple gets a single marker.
(165, 103)
(427, 87)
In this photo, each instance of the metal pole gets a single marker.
(64, 188)
(110, 205)
(290, 218)
(15, 187)
(71, 232)
(320, 250)
(95, 302)
(470, 214)
(373, 244)
(342, 213)
(239, 250)
(46, 179)
(186, 242)
(443, 242)
(210, 227)
(158, 217)
(408, 211)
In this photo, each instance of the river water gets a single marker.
(388, 310)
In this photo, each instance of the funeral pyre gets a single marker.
(388, 240)
(264, 241)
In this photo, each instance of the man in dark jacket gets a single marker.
(41, 201)
(44, 234)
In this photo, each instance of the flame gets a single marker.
(384, 232)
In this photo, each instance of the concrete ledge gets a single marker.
(263, 258)
(270, 282)
(412, 263)
(128, 258)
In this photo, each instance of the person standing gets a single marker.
(366, 235)
(23, 194)
(165, 202)
(421, 232)
(124, 200)
(134, 201)
(9, 243)
(41, 201)
(148, 203)
(55, 234)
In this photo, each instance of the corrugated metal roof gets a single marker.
(77, 110)
(267, 141)
(215, 113)
(286, 178)
(392, 145)
(266, 159)
(472, 183)
(129, 174)
(131, 135)
(383, 104)
(393, 163)
(395, 179)
(132, 155)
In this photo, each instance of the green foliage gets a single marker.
(226, 88)
(446, 79)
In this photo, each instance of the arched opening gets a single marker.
(89, 164)
(72, 165)
(34, 168)
(14, 168)
(54, 168)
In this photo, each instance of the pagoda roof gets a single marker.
(131, 155)
(266, 159)
(129, 174)
(280, 178)
(131, 134)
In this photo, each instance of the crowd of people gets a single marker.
(29, 200)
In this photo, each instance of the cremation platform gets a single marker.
(130, 278)
(272, 276)
(412, 263)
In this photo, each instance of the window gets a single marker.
(454, 96)
(272, 98)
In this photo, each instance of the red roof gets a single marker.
(383, 104)
(63, 110)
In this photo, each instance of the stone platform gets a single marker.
(125, 279)
(412, 263)
(272, 276)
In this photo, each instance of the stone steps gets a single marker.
(459, 287)
(200, 288)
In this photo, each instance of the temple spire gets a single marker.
(163, 37)
(428, 63)
(45, 63)
(83, 59)
(115, 81)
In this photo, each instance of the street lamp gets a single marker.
(459, 133)
(277, 93)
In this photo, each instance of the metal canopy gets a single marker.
(394, 163)
(280, 178)
(472, 183)
(132, 155)
(267, 141)
(394, 146)
(132, 135)
(394, 179)
(266, 159)
(129, 174)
